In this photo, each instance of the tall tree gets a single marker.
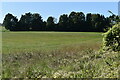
(25, 22)
(63, 22)
(76, 21)
(88, 22)
(80, 21)
(10, 22)
(99, 23)
(50, 24)
(37, 22)
(71, 21)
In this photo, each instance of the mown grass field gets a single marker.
(57, 55)
(14, 42)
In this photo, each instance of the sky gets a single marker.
(55, 9)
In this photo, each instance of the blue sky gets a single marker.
(55, 9)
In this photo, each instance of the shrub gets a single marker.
(111, 40)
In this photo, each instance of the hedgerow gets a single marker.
(111, 39)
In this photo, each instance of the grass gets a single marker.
(57, 55)
(14, 42)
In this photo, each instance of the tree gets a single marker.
(95, 18)
(101, 25)
(115, 19)
(98, 23)
(25, 22)
(80, 21)
(50, 24)
(71, 20)
(10, 22)
(76, 21)
(107, 24)
(44, 26)
(36, 23)
(63, 22)
(89, 22)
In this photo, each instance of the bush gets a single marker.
(111, 40)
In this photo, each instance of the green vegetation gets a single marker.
(76, 51)
(112, 39)
(61, 54)
(14, 42)
(74, 22)
(57, 55)
(0, 27)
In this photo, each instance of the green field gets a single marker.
(56, 55)
(14, 42)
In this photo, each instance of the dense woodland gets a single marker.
(75, 21)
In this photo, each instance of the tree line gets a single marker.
(75, 21)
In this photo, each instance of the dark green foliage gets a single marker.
(97, 22)
(10, 22)
(75, 21)
(31, 22)
(37, 23)
(25, 22)
(111, 40)
(88, 22)
(50, 25)
(63, 23)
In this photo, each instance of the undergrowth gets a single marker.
(61, 64)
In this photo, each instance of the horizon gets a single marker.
(55, 9)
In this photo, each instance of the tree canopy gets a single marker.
(10, 22)
(75, 21)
